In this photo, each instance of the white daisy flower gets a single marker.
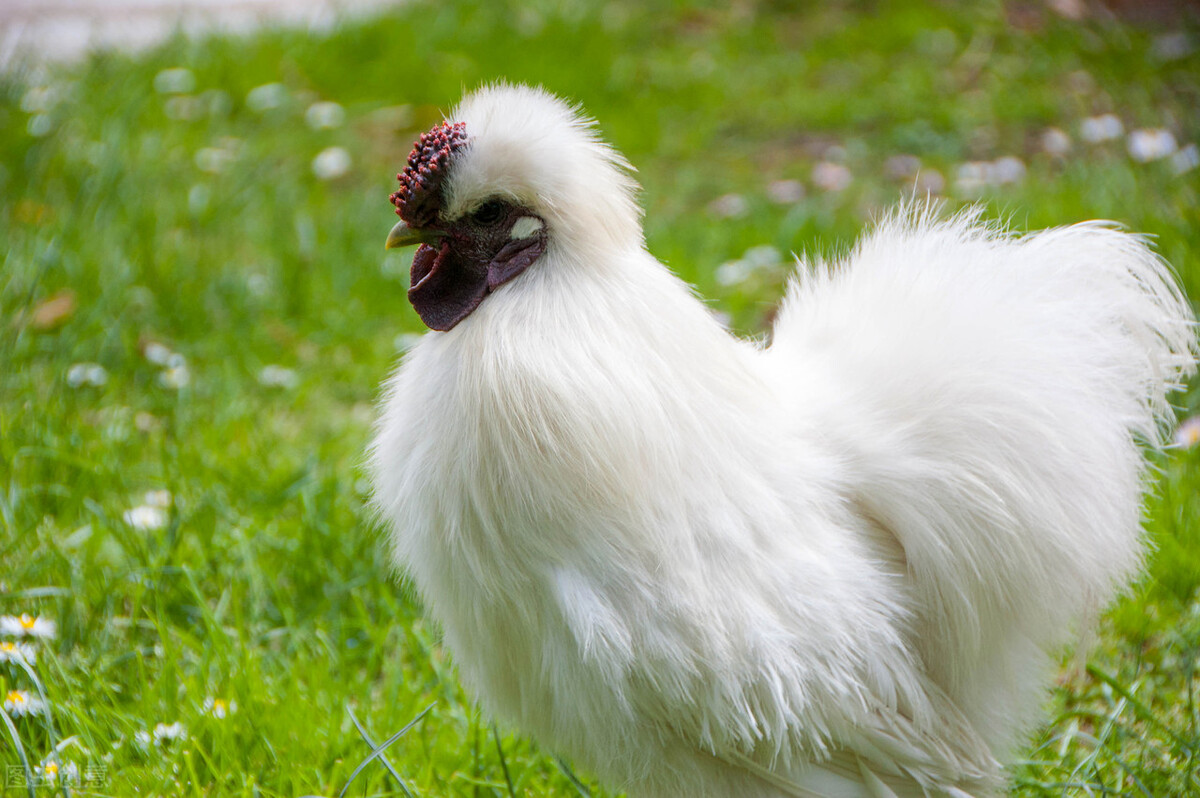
(1056, 142)
(165, 732)
(198, 197)
(216, 102)
(82, 374)
(729, 206)
(146, 517)
(1009, 169)
(830, 176)
(331, 163)
(1151, 144)
(183, 108)
(27, 625)
(971, 176)
(175, 378)
(175, 81)
(39, 125)
(156, 353)
(258, 284)
(19, 703)
(40, 99)
(1173, 46)
(1187, 434)
(974, 176)
(213, 160)
(278, 377)
(17, 652)
(53, 772)
(1186, 159)
(835, 152)
(267, 96)
(764, 256)
(219, 708)
(733, 272)
(324, 116)
(143, 738)
(785, 192)
(1105, 127)
(902, 167)
(146, 422)
(930, 181)
(158, 498)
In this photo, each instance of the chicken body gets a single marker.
(832, 566)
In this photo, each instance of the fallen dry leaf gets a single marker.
(29, 212)
(53, 312)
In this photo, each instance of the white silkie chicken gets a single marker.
(703, 567)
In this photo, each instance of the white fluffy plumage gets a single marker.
(831, 566)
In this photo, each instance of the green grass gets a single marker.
(268, 584)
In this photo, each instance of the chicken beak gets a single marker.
(402, 236)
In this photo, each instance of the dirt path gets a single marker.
(39, 31)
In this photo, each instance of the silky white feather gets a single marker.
(832, 566)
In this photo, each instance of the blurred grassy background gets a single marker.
(195, 304)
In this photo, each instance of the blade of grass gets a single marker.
(1138, 707)
(571, 777)
(371, 744)
(16, 738)
(379, 749)
(50, 730)
(503, 763)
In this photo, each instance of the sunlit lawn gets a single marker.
(196, 311)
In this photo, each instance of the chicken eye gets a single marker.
(488, 212)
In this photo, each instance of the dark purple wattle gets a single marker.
(445, 287)
(422, 264)
(514, 258)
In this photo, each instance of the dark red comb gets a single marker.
(419, 194)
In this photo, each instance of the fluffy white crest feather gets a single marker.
(833, 566)
(531, 147)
